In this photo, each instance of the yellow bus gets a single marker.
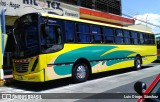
(51, 47)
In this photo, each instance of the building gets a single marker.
(109, 6)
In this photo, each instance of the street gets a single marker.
(120, 81)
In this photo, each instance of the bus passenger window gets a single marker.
(110, 40)
(84, 38)
(109, 35)
(97, 39)
(69, 31)
(83, 33)
(127, 37)
(119, 37)
(97, 33)
(151, 39)
(58, 39)
(141, 38)
(146, 37)
(134, 38)
(51, 38)
(50, 35)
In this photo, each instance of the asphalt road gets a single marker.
(113, 82)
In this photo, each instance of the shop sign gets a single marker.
(21, 7)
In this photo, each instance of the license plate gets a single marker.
(19, 77)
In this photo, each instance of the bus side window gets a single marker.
(151, 39)
(83, 33)
(51, 34)
(69, 31)
(141, 38)
(109, 35)
(58, 37)
(134, 37)
(97, 33)
(119, 37)
(127, 37)
(146, 37)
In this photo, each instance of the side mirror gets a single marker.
(140, 87)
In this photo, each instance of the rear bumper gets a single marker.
(34, 77)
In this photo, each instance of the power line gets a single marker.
(116, 6)
(141, 20)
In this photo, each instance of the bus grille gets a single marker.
(21, 67)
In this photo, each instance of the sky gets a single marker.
(146, 10)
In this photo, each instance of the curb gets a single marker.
(2, 82)
(7, 81)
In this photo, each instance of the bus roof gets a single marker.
(91, 22)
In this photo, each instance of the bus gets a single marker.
(158, 47)
(50, 47)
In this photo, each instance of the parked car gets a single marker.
(150, 94)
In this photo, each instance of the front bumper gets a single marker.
(34, 77)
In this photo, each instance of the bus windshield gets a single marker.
(26, 36)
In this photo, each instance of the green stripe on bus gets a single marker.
(90, 53)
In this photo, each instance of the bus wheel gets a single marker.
(137, 63)
(80, 72)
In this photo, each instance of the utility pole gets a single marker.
(3, 39)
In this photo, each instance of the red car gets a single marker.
(150, 94)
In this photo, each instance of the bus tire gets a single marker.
(80, 72)
(137, 63)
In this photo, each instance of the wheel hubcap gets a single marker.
(81, 72)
